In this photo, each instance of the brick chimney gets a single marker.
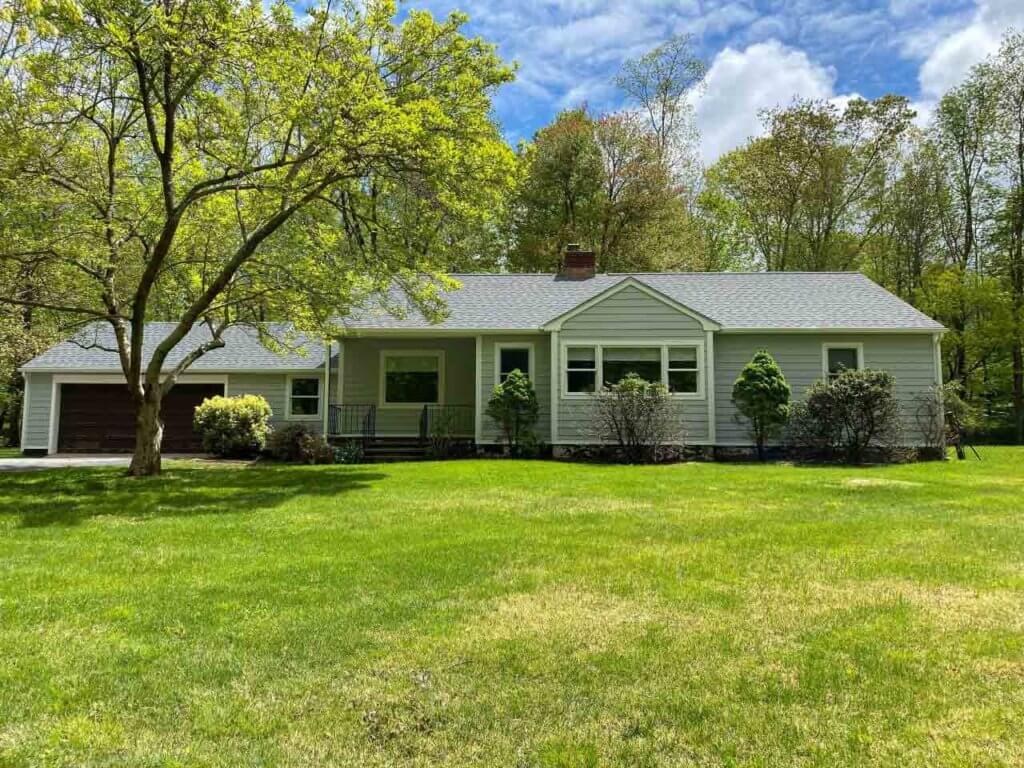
(578, 264)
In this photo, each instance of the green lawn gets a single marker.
(9, 453)
(515, 614)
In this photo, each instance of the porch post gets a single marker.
(326, 399)
(478, 425)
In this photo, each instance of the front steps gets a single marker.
(385, 449)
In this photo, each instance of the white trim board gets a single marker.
(478, 417)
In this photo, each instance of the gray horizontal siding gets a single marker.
(541, 376)
(360, 368)
(908, 357)
(37, 410)
(576, 422)
(628, 314)
(274, 388)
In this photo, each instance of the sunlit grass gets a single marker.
(515, 613)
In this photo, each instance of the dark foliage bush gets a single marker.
(639, 418)
(300, 442)
(852, 417)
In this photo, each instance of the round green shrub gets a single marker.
(233, 427)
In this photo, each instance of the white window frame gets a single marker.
(382, 379)
(663, 345)
(288, 398)
(856, 345)
(502, 345)
(565, 370)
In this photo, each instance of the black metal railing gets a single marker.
(447, 421)
(353, 420)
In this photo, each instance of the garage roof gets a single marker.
(93, 349)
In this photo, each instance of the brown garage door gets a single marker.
(99, 418)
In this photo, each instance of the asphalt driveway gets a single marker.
(73, 460)
(58, 461)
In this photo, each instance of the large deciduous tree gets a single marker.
(216, 163)
(805, 191)
(1004, 76)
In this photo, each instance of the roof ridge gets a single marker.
(666, 274)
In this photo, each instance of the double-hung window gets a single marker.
(580, 369)
(303, 397)
(841, 357)
(411, 377)
(683, 370)
(513, 357)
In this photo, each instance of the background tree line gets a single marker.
(935, 213)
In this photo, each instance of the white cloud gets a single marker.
(952, 55)
(741, 83)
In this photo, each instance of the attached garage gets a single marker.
(76, 399)
(95, 418)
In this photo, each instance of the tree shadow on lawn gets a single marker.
(65, 498)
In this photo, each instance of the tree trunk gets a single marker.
(760, 446)
(149, 432)
(1018, 390)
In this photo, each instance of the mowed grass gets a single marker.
(503, 613)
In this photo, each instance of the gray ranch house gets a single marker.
(393, 377)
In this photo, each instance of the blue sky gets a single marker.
(760, 52)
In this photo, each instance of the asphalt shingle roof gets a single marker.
(734, 300)
(91, 349)
(783, 301)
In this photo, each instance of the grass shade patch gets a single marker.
(514, 613)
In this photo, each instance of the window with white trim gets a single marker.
(683, 370)
(304, 397)
(580, 369)
(679, 367)
(512, 358)
(412, 378)
(839, 358)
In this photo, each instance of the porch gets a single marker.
(409, 388)
(402, 391)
